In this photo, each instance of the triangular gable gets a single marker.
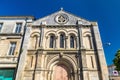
(51, 19)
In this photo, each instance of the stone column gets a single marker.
(91, 40)
(42, 34)
(100, 53)
(50, 75)
(46, 42)
(77, 43)
(37, 69)
(76, 75)
(43, 67)
(56, 42)
(80, 36)
(81, 53)
(41, 37)
(83, 58)
(38, 39)
(84, 64)
(37, 75)
(66, 42)
(38, 63)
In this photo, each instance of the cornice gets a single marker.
(16, 17)
(10, 34)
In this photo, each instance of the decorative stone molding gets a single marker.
(46, 37)
(43, 23)
(61, 18)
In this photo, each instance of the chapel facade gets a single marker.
(60, 46)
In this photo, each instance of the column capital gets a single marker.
(76, 37)
(56, 37)
(66, 37)
(46, 37)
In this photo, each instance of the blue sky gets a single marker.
(105, 12)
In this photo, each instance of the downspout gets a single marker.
(79, 53)
(40, 46)
(18, 59)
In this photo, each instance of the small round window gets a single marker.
(61, 18)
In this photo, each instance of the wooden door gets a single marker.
(60, 73)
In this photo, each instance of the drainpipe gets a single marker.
(18, 59)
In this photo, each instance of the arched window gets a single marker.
(90, 42)
(62, 38)
(89, 45)
(35, 39)
(71, 42)
(52, 41)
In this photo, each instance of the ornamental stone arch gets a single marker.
(47, 38)
(64, 57)
(62, 31)
(34, 40)
(62, 38)
(50, 32)
(72, 39)
(64, 63)
(35, 33)
(87, 33)
(88, 40)
(72, 32)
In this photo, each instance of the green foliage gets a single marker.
(116, 60)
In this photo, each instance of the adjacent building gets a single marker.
(113, 74)
(60, 46)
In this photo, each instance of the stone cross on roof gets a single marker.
(61, 8)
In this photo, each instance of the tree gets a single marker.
(116, 60)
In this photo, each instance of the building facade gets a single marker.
(113, 74)
(60, 46)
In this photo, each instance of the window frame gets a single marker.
(35, 38)
(1, 25)
(18, 27)
(12, 48)
(52, 40)
(88, 37)
(62, 41)
(72, 42)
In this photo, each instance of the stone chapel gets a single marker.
(60, 46)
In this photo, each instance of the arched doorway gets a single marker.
(60, 72)
(62, 69)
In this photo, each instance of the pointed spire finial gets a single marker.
(61, 8)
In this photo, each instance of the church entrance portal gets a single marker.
(60, 72)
